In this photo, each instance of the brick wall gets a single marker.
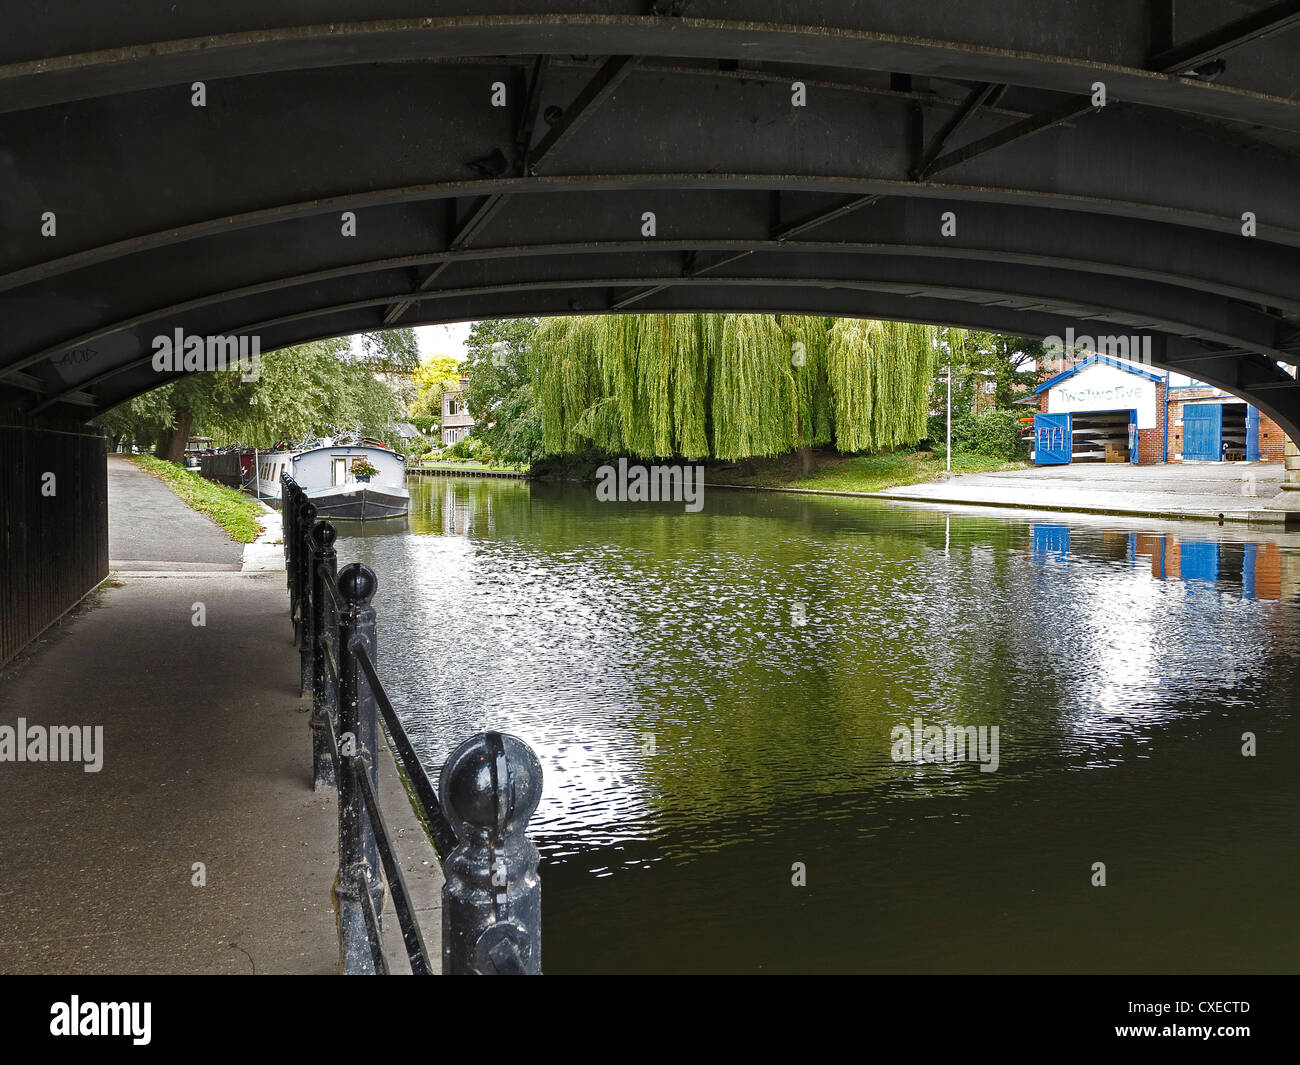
(1272, 441)
(1151, 442)
(1151, 446)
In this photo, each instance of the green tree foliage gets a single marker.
(1007, 361)
(436, 375)
(809, 342)
(319, 389)
(501, 393)
(391, 351)
(729, 385)
(995, 433)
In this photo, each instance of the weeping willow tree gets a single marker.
(755, 400)
(880, 374)
(730, 386)
(809, 342)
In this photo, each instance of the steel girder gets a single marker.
(1114, 220)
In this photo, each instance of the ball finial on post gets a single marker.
(491, 901)
(323, 535)
(357, 582)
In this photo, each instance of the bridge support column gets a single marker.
(1288, 498)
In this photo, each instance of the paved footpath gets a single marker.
(1233, 491)
(206, 757)
(148, 531)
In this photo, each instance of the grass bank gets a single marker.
(232, 510)
(861, 473)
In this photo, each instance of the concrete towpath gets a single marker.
(1209, 491)
(206, 758)
(148, 531)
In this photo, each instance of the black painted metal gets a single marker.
(306, 520)
(358, 735)
(492, 898)
(53, 528)
(324, 687)
(1125, 219)
(444, 836)
(416, 950)
(337, 633)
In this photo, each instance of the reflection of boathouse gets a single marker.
(1251, 569)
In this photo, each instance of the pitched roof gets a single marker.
(1092, 360)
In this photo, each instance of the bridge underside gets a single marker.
(944, 163)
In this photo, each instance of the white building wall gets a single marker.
(1102, 387)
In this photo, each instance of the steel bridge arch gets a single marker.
(1125, 218)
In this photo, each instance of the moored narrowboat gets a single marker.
(344, 481)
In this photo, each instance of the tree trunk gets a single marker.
(806, 461)
(171, 444)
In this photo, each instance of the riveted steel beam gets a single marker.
(1276, 18)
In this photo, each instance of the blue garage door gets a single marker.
(1252, 434)
(1053, 439)
(1203, 431)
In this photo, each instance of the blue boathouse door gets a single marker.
(1053, 439)
(1203, 432)
(1252, 434)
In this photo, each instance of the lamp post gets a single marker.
(948, 467)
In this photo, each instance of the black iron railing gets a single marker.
(489, 786)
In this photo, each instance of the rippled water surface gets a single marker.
(712, 696)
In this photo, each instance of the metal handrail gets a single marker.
(491, 913)
(416, 950)
(444, 834)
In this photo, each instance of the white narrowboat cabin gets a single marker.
(331, 477)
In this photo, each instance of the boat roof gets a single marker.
(350, 447)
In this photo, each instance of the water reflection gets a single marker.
(1251, 569)
(712, 696)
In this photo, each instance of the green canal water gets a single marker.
(714, 695)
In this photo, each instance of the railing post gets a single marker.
(306, 604)
(492, 896)
(301, 531)
(358, 738)
(284, 525)
(324, 712)
(289, 501)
